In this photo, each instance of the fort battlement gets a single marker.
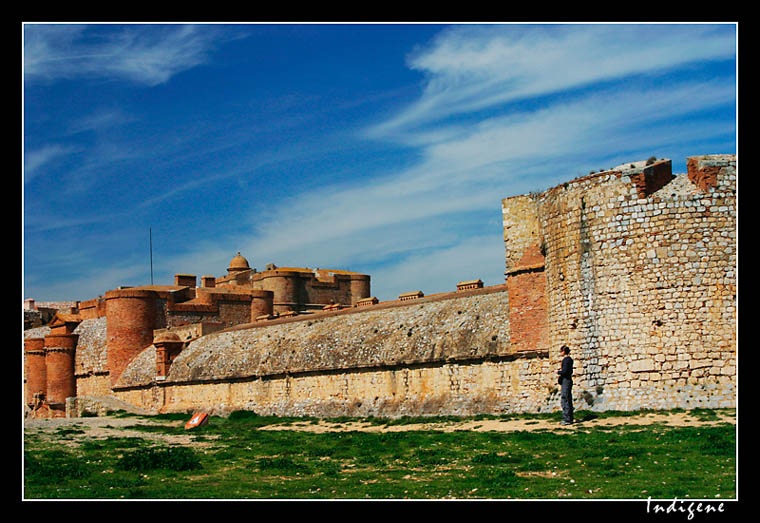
(634, 268)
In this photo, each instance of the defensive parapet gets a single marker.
(90, 309)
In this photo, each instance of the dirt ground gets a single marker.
(673, 420)
(104, 427)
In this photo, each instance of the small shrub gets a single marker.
(491, 458)
(242, 415)
(171, 458)
(704, 414)
(52, 467)
(281, 464)
(68, 431)
(502, 478)
(330, 469)
(431, 457)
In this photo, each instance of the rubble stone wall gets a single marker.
(643, 289)
(91, 358)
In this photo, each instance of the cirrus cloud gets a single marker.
(145, 55)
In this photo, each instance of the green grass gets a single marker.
(232, 458)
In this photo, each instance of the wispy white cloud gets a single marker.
(148, 55)
(473, 169)
(469, 166)
(469, 68)
(100, 121)
(36, 159)
(439, 270)
(468, 163)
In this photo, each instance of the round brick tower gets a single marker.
(130, 320)
(359, 287)
(36, 373)
(262, 303)
(285, 286)
(59, 372)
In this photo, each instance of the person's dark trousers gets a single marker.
(566, 397)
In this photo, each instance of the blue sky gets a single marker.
(379, 148)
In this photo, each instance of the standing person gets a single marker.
(565, 379)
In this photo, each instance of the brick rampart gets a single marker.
(528, 315)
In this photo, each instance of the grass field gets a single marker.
(242, 457)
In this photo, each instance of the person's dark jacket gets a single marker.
(566, 371)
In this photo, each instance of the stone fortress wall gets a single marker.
(633, 268)
(641, 274)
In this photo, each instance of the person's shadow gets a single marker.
(586, 417)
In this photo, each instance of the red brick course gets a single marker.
(526, 285)
(705, 178)
(652, 178)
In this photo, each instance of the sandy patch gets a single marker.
(671, 420)
(104, 427)
(109, 427)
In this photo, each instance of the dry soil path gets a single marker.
(103, 427)
(672, 420)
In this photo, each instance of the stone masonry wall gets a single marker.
(91, 358)
(430, 357)
(441, 388)
(643, 290)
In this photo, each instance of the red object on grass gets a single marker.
(197, 420)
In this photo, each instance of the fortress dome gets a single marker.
(238, 263)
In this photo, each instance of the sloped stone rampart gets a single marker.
(91, 358)
(37, 332)
(442, 356)
(91, 355)
(457, 329)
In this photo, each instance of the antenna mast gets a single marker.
(150, 231)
